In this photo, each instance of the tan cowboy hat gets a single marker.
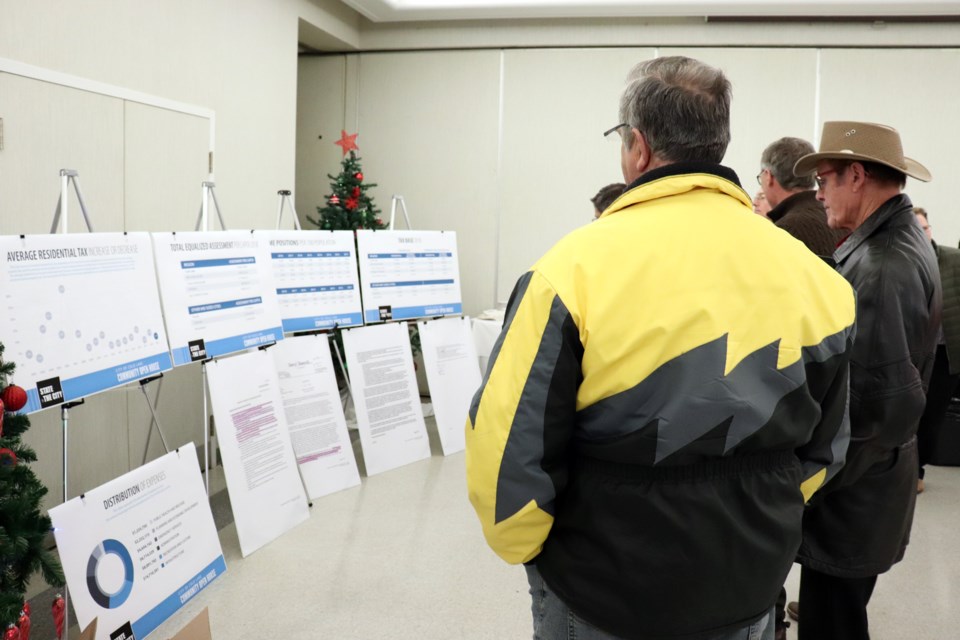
(863, 141)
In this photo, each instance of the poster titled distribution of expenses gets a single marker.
(80, 314)
(218, 295)
(315, 274)
(138, 548)
(408, 274)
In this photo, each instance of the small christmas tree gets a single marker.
(348, 206)
(23, 527)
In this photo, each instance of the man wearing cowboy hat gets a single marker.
(858, 526)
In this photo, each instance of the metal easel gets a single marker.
(203, 224)
(285, 198)
(60, 224)
(393, 211)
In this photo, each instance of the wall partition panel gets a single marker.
(915, 91)
(556, 105)
(774, 95)
(165, 162)
(48, 127)
(428, 125)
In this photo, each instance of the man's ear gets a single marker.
(640, 154)
(858, 176)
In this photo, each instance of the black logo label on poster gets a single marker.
(198, 350)
(386, 313)
(123, 633)
(50, 391)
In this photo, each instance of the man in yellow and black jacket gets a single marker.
(669, 389)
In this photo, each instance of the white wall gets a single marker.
(433, 124)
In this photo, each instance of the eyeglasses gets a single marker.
(612, 129)
(759, 181)
(819, 177)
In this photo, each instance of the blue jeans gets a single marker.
(553, 620)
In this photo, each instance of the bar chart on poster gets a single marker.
(217, 292)
(80, 314)
(408, 274)
(315, 274)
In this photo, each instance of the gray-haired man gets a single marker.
(647, 431)
(793, 201)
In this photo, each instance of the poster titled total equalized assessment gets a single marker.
(408, 274)
(80, 314)
(217, 291)
(138, 548)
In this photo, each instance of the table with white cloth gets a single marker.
(486, 330)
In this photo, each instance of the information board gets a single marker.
(80, 314)
(217, 292)
(408, 274)
(315, 274)
(138, 548)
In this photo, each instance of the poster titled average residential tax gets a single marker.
(79, 314)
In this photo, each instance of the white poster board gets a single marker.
(80, 314)
(314, 415)
(384, 385)
(266, 494)
(453, 374)
(138, 548)
(315, 274)
(217, 292)
(408, 274)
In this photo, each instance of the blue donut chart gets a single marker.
(99, 595)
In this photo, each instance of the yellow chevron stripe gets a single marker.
(512, 538)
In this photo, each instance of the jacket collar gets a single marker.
(677, 178)
(878, 219)
(789, 203)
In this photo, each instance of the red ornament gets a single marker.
(59, 608)
(334, 199)
(352, 203)
(359, 176)
(23, 623)
(12, 633)
(26, 608)
(347, 142)
(1, 418)
(356, 192)
(7, 458)
(379, 222)
(14, 397)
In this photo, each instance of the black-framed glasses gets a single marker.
(759, 181)
(614, 128)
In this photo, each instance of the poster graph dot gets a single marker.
(43, 328)
(61, 288)
(48, 315)
(29, 355)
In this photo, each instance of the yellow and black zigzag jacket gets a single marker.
(669, 388)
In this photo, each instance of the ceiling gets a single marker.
(428, 10)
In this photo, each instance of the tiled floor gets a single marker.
(402, 556)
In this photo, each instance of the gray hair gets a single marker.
(780, 156)
(682, 107)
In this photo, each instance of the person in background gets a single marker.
(605, 197)
(946, 364)
(859, 525)
(760, 205)
(793, 201)
(647, 431)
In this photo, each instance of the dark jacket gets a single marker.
(661, 402)
(859, 525)
(802, 216)
(948, 259)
